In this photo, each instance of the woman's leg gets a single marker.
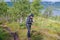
(28, 33)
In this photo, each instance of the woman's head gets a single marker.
(32, 15)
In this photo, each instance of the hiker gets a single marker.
(29, 23)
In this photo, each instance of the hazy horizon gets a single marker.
(42, 0)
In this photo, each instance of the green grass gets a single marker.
(40, 24)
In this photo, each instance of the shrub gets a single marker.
(22, 25)
(4, 35)
(36, 35)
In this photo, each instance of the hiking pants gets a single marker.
(29, 29)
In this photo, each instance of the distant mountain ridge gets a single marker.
(45, 4)
(54, 4)
(10, 4)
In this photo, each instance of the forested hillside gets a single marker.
(45, 26)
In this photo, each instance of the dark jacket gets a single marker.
(29, 20)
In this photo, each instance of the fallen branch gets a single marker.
(14, 34)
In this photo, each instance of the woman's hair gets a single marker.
(32, 15)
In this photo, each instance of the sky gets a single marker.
(7, 0)
(42, 0)
(52, 0)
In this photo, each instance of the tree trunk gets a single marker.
(21, 20)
